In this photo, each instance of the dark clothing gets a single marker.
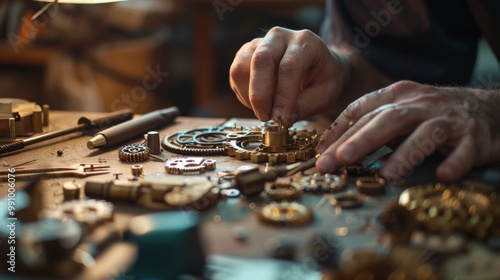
(432, 42)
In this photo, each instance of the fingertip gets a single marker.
(325, 164)
(448, 173)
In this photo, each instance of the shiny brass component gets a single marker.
(133, 153)
(371, 186)
(71, 190)
(451, 208)
(286, 214)
(275, 139)
(288, 191)
(137, 170)
(191, 165)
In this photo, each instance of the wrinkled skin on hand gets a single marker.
(287, 75)
(461, 123)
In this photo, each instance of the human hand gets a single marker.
(287, 75)
(463, 124)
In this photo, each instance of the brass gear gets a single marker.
(300, 147)
(286, 214)
(133, 153)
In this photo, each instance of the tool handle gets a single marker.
(114, 118)
(139, 126)
(12, 146)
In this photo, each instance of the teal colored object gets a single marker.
(168, 245)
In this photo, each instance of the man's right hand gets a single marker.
(287, 75)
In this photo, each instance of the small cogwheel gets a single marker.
(133, 153)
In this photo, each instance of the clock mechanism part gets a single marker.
(447, 209)
(20, 118)
(269, 143)
(133, 153)
(190, 165)
(286, 214)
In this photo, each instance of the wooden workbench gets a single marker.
(219, 224)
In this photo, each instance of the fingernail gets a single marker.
(347, 154)
(324, 164)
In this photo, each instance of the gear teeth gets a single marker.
(133, 153)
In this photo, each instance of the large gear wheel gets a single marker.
(133, 153)
(202, 141)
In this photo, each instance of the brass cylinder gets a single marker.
(274, 137)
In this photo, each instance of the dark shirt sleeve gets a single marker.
(433, 42)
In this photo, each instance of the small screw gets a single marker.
(59, 152)
(117, 175)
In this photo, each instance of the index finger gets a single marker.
(264, 65)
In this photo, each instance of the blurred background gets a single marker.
(146, 54)
(142, 54)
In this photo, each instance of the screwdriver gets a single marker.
(85, 125)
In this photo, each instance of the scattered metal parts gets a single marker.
(192, 165)
(89, 212)
(446, 209)
(288, 191)
(286, 214)
(137, 170)
(133, 153)
(153, 142)
(229, 193)
(371, 186)
(71, 190)
(346, 201)
(317, 182)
